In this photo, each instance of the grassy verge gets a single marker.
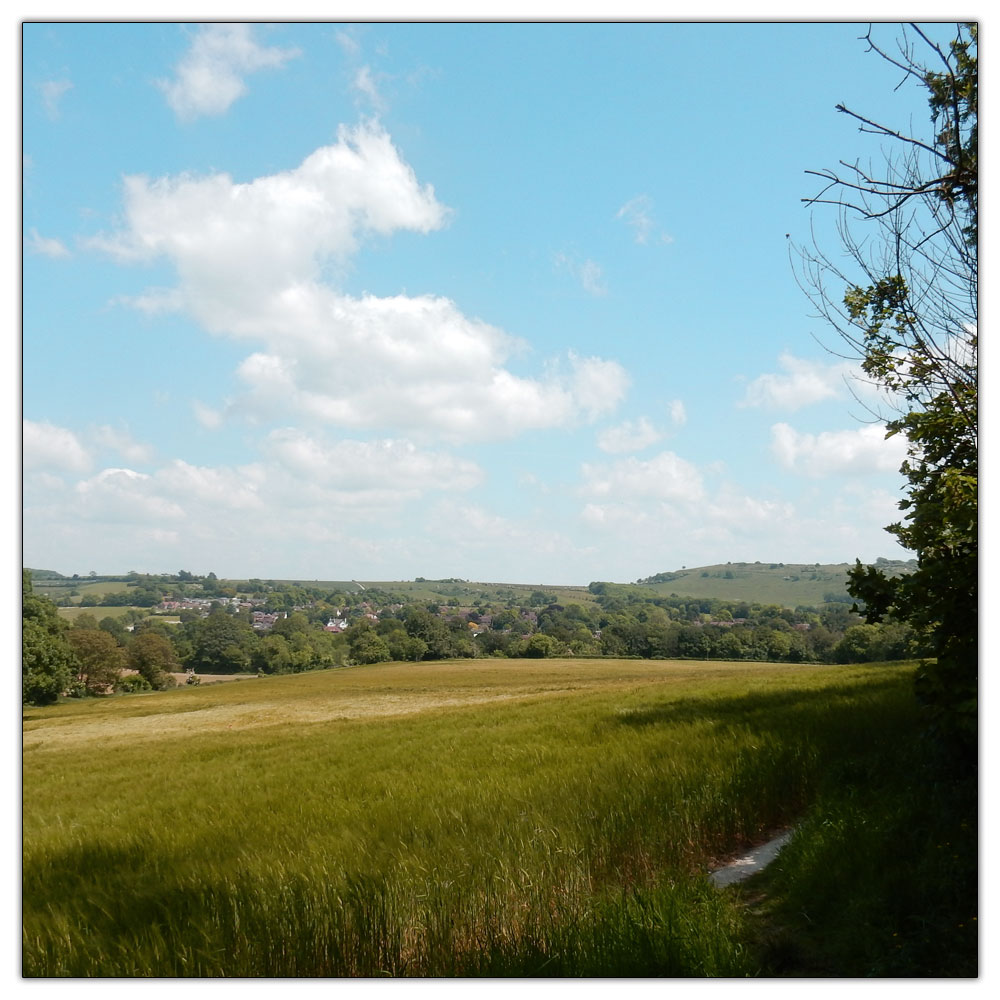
(537, 818)
(881, 877)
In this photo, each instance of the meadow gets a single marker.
(483, 817)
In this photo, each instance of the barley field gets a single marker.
(473, 818)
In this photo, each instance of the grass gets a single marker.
(59, 588)
(100, 613)
(460, 818)
(788, 585)
(881, 877)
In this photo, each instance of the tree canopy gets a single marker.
(909, 315)
(47, 659)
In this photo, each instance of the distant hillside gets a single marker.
(788, 584)
(45, 574)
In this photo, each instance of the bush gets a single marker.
(131, 683)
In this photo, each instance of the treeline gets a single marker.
(138, 651)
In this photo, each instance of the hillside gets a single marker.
(788, 584)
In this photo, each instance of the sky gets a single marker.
(509, 302)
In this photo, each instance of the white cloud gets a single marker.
(664, 512)
(46, 446)
(269, 239)
(122, 442)
(348, 43)
(46, 246)
(233, 489)
(301, 489)
(386, 465)
(209, 418)
(121, 497)
(251, 262)
(862, 451)
(801, 384)
(465, 535)
(666, 477)
(53, 92)
(210, 77)
(628, 436)
(365, 85)
(588, 272)
(638, 215)
(678, 414)
(590, 278)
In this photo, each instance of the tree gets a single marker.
(154, 658)
(221, 644)
(99, 658)
(47, 660)
(910, 316)
(369, 647)
(114, 628)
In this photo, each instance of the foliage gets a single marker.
(133, 684)
(221, 644)
(99, 659)
(881, 877)
(912, 321)
(47, 660)
(154, 658)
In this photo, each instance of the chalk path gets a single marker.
(749, 864)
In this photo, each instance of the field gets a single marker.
(60, 588)
(786, 584)
(118, 611)
(496, 818)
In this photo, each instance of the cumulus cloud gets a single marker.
(474, 535)
(298, 478)
(273, 234)
(211, 75)
(252, 259)
(47, 246)
(628, 436)
(46, 446)
(361, 466)
(801, 384)
(208, 417)
(123, 496)
(858, 452)
(122, 442)
(235, 489)
(666, 477)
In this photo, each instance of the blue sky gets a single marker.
(508, 302)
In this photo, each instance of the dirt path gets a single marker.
(750, 863)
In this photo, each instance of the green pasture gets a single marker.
(551, 817)
(98, 612)
(57, 589)
(790, 585)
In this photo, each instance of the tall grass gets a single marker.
(550, 818)
(881, 876)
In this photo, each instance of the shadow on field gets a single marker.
(765, 709)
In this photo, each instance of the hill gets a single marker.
(787, 584)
